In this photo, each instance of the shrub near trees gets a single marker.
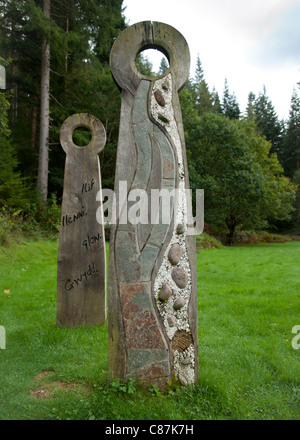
(233, 157)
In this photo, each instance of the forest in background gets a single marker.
(248, 163)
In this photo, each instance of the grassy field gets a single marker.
(248, 302)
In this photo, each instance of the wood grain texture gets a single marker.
(147, 158)
(81, 271)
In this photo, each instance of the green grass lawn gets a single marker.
(248, 302)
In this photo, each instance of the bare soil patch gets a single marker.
(49, 389)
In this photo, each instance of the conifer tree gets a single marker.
(230, 105)
(250, 109)
(203, 98)
(42, 179)
(14, 190)
(163, 67)
(216, 102)
(267, 122)
(291, 144)
(80, 34)
(199, 73)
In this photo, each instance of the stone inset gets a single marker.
(163, 118)
(179, 303)
(181, 340)
(138, 314)
(179, 277)
(180, 229)
(165, 292)
(166, 85)
(175, 253)
(160, 98)
(171, 321)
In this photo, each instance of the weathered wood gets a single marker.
(43, 166)
(148, 305)
(81, 271)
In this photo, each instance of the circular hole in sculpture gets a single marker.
(151, 62)
(82, 136)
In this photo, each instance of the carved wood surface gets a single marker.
(152, 278)
(81, 271)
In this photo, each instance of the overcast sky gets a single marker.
(252, 43)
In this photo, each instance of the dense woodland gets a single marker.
(56, 55)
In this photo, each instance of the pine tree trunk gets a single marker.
(44, 114)
(33, 126)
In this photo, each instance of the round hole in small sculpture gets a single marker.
(82, 136)
(152, 62)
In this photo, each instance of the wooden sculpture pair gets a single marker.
(152, 292)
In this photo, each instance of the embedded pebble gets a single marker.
(165, 292)
(187, 361)
(179, 303)
(182, 379)
(179, 277)
(163, 118)
(166, 85)
(175, 253)
(180, 229)
(181, 340)
(159, 98)
(175, 320)
(171, 321)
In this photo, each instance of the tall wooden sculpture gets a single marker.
(152, 278)
(81, 271)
